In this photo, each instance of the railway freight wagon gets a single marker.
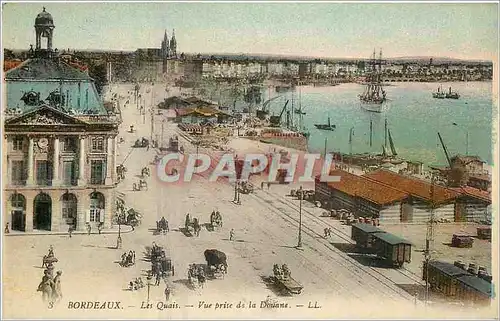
(394, 250)
(457, 283)
(363, 234)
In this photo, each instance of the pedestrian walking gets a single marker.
(158, 278)
(231, 234)
(99, 227)
(167, 293)
(56, 288)
(70, 231)
(6, 231)
(89, 228)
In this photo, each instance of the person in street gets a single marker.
(99, 228)
(167, 293)
(158, 278)
(6, 231)
(89, 228)
(70, 231)
(231, 234)
(56, 287)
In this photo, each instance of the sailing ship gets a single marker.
(374, 95)
(326, 126)
(439, 94)
(452, 94)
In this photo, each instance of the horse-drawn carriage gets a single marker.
(196, 275)
(140, 143)
(162, 226)
(246, 187)
(307, 195)
(193, 225)
(48, 260)
(216, 263)
(282, 279)
(215, 219)
(173, 144)
(120, 172)
(129, 217)
(142, 184)
(145, 172)
(160, 263)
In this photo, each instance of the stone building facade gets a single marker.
(59, 144)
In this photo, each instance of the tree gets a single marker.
(98, 73)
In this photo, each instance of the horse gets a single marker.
(196, 227)
(46, 287)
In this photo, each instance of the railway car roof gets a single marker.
(368, 228)
(448, 268)
(476, 283)
(390, 238)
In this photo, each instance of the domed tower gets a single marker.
(44, 27)
(173, 45)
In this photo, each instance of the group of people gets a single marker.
(50, 286)
(281, 272)
(162, 225)
(136, 284)
(100, 227)
(160, 264)
(128, 259)
(216, 219)
(196, 272)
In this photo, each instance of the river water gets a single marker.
(414, 119)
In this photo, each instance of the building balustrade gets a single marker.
(43, 182)
(69, 182)
(18, 182)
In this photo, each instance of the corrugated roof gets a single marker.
(413, 186)
(43, 69)
(474, 192)
(477, 283)
(390, 238)
(368, 189)
(368, 228)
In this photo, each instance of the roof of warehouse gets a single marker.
(366, 188)
(413, 186)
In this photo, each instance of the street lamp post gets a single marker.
(162, 131)
(149, 284)
(299, 245)
(119, 239)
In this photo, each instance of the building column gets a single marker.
(115, 152)
(81, 164)
(30, 211)
(30, 180)
(82, 209)
(55, 172)
(109, 161)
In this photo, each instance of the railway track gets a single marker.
(341, 234)
(359, 268)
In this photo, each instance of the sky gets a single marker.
(337, 30)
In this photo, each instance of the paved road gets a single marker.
(266, 233)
